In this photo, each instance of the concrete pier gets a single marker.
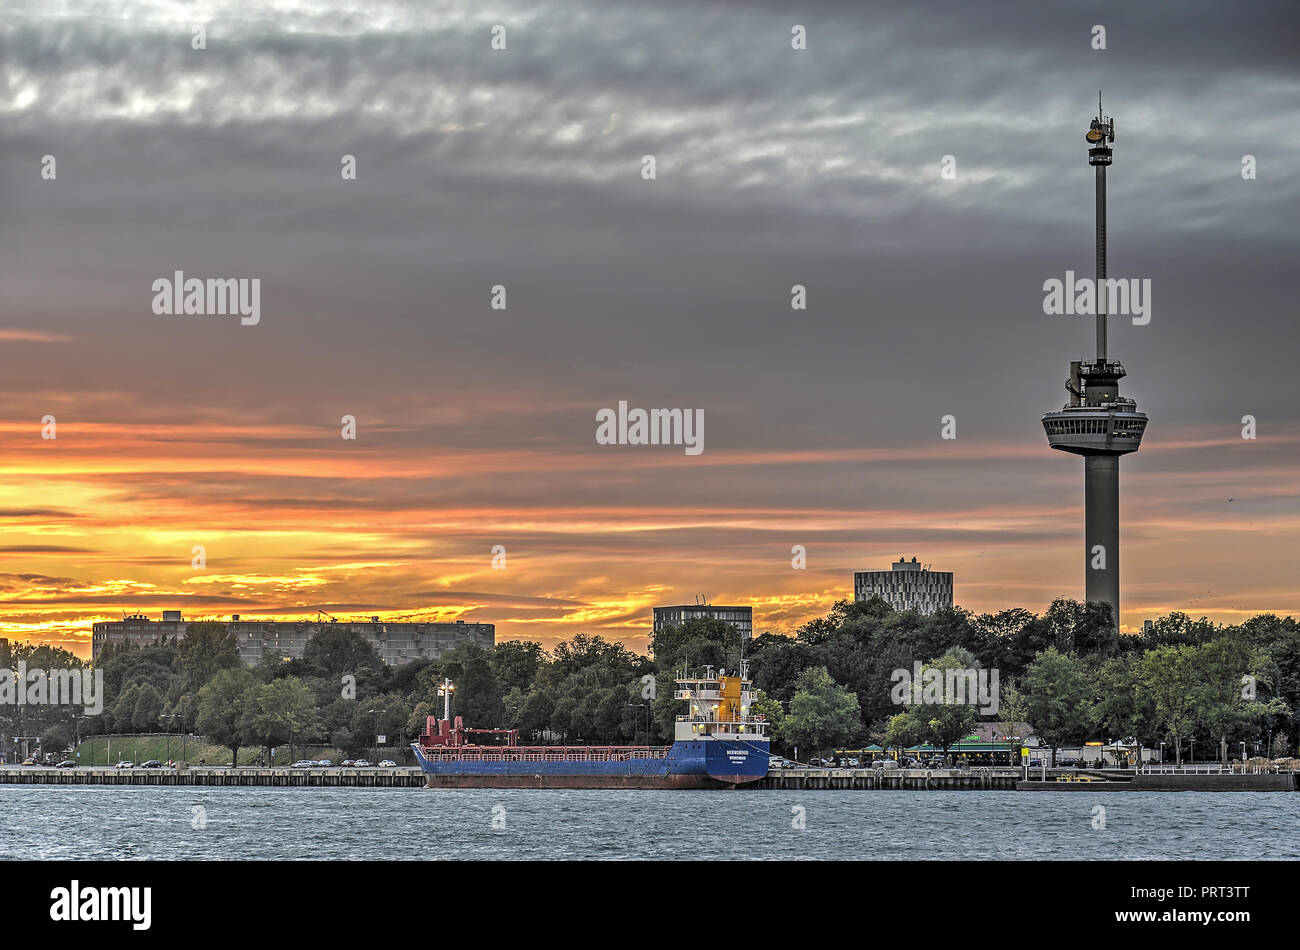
(892, 779)
(226, 777)
(979, 779)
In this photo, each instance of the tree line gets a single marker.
(1066, 672)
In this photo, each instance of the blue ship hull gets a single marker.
(710, 763)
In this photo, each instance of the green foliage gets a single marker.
(902, 731)
(1057, 695)
(221, 708)
(335, 651)
(207, 648)
(277, 713)
(822, 713)
(1066, 672)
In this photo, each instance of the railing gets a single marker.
(546, 753)
(1207, 769)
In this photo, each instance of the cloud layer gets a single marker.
(522, 168)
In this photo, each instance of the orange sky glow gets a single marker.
(103, 520)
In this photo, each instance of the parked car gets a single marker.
(361, 764)
(388, 764)
(1070, 763)
(29, 761)
(151, 764)
(885, 764)
(348, 764)
(935, 764)
(66, 764)
(325, 763)
(124, 765)
(303, 764)
(1035, 763)
(853, 763)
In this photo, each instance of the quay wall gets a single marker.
(1054, 780)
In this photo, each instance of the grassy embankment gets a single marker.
(109, 750)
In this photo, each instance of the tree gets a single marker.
(276, 713)
(220, 708)
(148, 707)
(948, 718)
(419, 718)
(1056, 696)
(822, 713)
(124, 708)
(902, 731)
(1170, 675)
(1226, 708)
(335, 651)
(1121, 707)
(773, 713)
(516, 663)
(208, 647)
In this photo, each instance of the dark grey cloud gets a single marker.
(775, 167)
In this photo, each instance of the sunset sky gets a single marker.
(522, 167)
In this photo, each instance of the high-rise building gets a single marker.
(742, 618)
(1098, 423)
(907, 585)
(137, 630)
(396, 643)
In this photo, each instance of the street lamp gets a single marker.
(445, 689)
(171, 722)
(638, 707)
(375, 722)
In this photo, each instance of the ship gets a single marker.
(720, 743)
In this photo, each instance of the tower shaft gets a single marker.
(1101, 472)
(1101, 554)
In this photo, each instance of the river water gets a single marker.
(115, 823)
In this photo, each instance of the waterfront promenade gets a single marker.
(218, 776)
(986, 779)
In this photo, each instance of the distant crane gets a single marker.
(319, 613)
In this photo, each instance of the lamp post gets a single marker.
(638, 707)
(445, 689)
(375, 723)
